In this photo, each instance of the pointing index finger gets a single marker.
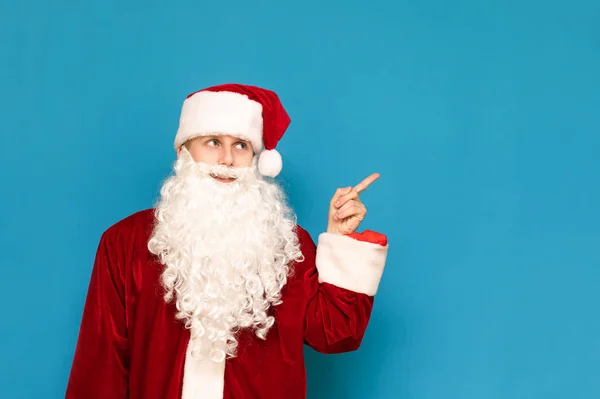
(362, 186)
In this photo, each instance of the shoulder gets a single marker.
(308, 249)
(301, 232)
(138, 224)
(125, 241)
(304, 238)
(143, 218)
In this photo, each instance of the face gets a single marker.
(221, 150)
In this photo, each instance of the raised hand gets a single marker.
(346, 211)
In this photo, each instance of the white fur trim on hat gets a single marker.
(217, 113)
(270, 163)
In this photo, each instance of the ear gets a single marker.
(179, 150)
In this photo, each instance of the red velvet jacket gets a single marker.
(131, 346)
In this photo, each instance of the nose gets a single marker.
(226, 156)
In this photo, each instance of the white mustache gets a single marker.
(188, 165)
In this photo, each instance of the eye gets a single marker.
(212, 143)
(241, 145)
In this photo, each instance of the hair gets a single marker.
(227, 249)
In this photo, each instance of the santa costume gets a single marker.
(214, 292)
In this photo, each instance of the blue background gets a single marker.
(482, 117)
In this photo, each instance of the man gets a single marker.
(215, 291)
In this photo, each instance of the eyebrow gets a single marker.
(219, 137)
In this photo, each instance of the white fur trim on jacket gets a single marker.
(206, 113)
(351, 264)
(202, 378)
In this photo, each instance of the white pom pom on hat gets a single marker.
(248, 112)
(270, 163)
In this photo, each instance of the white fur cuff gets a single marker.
(351, 264)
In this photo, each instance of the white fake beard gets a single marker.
(227, 250)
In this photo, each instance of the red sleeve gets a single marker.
(100, 364)
(336, 317)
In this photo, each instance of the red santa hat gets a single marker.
(247, 112)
